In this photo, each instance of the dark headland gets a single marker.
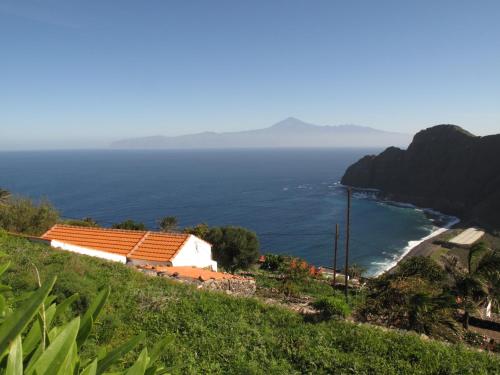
(445, 167)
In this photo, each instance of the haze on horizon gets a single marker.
(86, 73)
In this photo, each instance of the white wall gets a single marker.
(195, 252)
(90, 252)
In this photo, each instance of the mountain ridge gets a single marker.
(445, 167)
(290, 132)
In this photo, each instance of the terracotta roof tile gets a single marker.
(144, 245)
(196, 273)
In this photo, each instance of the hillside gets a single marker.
(290, 132)
(445, 167)
(215, 333)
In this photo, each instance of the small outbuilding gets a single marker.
(133, 247)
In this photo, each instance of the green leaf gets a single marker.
(15, 360)
(4, 267)
(90, 369)
(61, 308)
(159, 347)
(55, 359)
(15, 323)
(91, 315)
(118, 353)
(34, 336)
(140, 366)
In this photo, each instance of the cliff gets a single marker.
(445, 167)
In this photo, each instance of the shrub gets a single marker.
(273, 262)
(22, 215)
(200, 230)
(332, 308)
(85, 222)
(422, 267)
(130, 225)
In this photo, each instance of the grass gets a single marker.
(212, 333)
(309, 287)
(437, 254)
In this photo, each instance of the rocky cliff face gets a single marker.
(445, 167)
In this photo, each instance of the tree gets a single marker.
(130, 225)
(478, 284)
(233, 247)
(355, 271)
(432, 314)
(199, 230)
(4, 196)
(168, 224)
(22, 215)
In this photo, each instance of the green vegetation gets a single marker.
(332, 307)
(414, 297)
(479, 283)
(22, 215)
(32, 341)
(419, 295)
(306, 287)
(85, 222)
(213, 333)
(233, 248)
(129, 225)
(168, 224)
(273, 262)
(4, 196)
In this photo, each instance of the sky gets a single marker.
(78, 74)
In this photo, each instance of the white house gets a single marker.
(133, 247)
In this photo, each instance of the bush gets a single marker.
(332, 308)
(422, 267)
(85, 222)
(129, 225)
(273, 262)
(22, 215)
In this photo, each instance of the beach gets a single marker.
(424, 246)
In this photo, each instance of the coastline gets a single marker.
(416, 247)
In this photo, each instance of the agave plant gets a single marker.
(31, 343)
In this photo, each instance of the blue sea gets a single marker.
(291, 198)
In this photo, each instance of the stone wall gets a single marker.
(238, 286)
(244, 287)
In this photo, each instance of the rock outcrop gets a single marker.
(445, 167)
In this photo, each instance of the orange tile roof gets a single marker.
(134, 244)
(195, 273)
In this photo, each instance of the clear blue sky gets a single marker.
(82, 73)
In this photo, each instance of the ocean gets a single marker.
(291, 198)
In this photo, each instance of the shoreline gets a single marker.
(414, 247)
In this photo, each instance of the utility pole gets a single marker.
(335, 255)
(348, 228)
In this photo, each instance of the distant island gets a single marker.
(445, 167)
(290, 132)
